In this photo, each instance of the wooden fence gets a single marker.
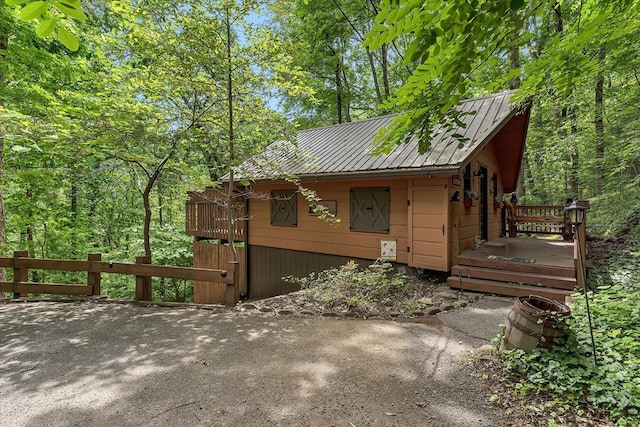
(208, 254)
(94, 267)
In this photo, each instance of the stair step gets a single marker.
(509, 289)
(523, 267)
(568, 283)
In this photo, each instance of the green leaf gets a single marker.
(20, 149)
(45, 28)
(14, 2)
(516, 4)
(70, 9)
(33, 10)
(68, 39)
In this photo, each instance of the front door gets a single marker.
(484, 203)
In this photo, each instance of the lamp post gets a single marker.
(576, 218)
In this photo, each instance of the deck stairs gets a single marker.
(511, 277)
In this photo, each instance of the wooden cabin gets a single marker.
(421, 210)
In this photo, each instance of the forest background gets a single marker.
(111, 111)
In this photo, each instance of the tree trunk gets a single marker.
(159, 191)
(523, 179)
(374, 75)
(573, 174)
(147, 218)
(230, 225)
(598, 122)
(338, 82)
(214, 166)
(385, 70)
(147, 204)
(347, 93)
(3, 220)
(514, 64)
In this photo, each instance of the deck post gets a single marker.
(20, 274)
(143, 283)
(230, 295)
(580, 254)
(94, 278)
(512, 212)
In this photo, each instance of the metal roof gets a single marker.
(345, 149)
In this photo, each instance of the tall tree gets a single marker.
(346, 80)
(451, 41)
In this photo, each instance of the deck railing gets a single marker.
(208, 218)
(537, 219)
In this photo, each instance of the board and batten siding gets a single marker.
(315, 235)
(268, 266)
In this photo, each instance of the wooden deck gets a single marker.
(517, 267)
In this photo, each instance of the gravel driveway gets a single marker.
(104, 364)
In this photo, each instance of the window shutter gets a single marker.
(370, 210)
(284, 210)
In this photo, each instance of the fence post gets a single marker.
(20, 274)
(143, 283)
(230, 295)
(93, 277)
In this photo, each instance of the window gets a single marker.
(494, 179)
(369, 210)
(467, 179)
(284, 208)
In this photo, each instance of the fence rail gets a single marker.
(95, 267)
(208, 219)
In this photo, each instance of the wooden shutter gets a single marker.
(370, 210)
(284, 210)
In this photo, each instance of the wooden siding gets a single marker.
(268, 265)
(469, 218)
(429, 224)
(208, 254)
(315, 235)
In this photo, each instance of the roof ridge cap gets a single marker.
(350, 123)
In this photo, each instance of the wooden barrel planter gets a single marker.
(532, 323)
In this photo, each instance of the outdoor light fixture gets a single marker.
(576, 213)
(576, 218)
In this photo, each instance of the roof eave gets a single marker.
(383, 173)
(472, 153)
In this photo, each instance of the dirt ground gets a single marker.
(116, 364)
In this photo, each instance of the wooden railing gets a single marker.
(537, 219)
(208, 219)
(94, 267)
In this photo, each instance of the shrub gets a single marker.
(363, 290)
